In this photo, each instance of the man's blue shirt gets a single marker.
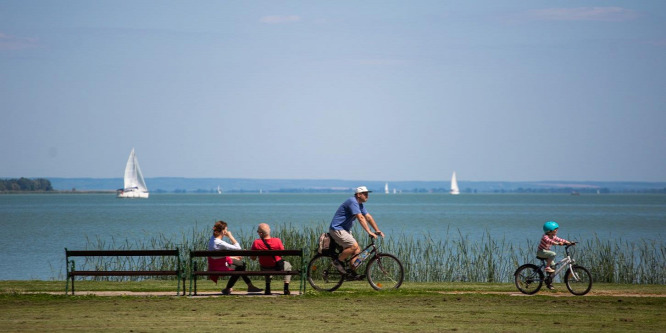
(346, 214)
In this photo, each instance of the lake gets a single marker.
(37, 227)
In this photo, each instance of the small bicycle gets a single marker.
(529, 278)
(383, 271)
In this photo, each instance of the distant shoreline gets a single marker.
(59, 192)
(180, 185)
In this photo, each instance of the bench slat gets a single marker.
(245, 273)
(101, 253)
(247, 253)
(122, 273)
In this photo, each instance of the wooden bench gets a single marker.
(195, 272)
(73, 272)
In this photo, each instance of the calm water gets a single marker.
(37, 228)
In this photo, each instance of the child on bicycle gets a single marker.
(550, 238)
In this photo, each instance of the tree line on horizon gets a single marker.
(25, 185)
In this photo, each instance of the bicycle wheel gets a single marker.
(322, 275)
(578, 280)
(528, 278)
(384, 272)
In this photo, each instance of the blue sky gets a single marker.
(367, 90)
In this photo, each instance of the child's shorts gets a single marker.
(546, 254)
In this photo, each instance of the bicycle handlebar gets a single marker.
(372, 239)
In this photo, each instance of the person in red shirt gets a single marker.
(268, 263)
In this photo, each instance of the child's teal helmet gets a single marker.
(550, 226)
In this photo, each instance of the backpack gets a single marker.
(324, 243)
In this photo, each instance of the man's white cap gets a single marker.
(362, 189)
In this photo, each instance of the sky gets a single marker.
(356, 90)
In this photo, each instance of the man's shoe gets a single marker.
(226, 291)
(339, 266)
(550, 286)
(253, 289)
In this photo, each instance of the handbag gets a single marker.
(279, 264)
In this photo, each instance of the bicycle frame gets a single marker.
(372, 253)
(566, 263)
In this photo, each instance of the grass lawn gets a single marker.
(416, 307)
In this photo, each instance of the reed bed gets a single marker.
(452, 258)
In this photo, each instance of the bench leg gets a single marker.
(267, 290)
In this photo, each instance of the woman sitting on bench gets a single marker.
(227, 263)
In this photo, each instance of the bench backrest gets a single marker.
(120, 253)
(246, 253)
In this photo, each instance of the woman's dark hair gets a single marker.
(218, 227)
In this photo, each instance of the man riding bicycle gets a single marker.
(340, 228)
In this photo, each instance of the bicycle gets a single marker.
(383, 271)
(529, 277)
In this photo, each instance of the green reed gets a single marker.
(452, 257)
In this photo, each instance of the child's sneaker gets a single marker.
(550, 286)
(549, 270)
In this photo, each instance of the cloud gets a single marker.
(280, 19)
(11, 43)
(607, 14)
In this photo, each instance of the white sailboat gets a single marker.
(454, 185)
(135, 186)
(386, 189)
(219, 190)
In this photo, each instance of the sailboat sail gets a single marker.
(386, 188)
(134, 184)
(454, 185)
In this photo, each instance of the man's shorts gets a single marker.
(343, 237)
